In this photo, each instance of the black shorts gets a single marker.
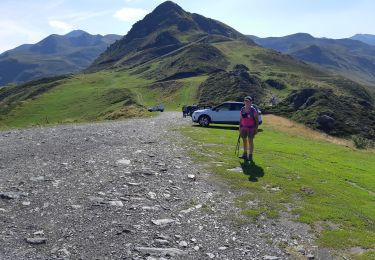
(247, 133)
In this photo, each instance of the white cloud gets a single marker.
(61, 26)
(130, 14)
(81, 16)
(14, 33)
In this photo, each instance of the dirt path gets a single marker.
(123, 190)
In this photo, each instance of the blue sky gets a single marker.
(29, 21)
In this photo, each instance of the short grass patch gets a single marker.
(96, 97)
(172, 94)
(83, 98)
(319, 180)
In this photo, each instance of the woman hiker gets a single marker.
(248, 128)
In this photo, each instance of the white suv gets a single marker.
(226, 113)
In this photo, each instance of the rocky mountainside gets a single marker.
(351, 58)
(54, 55)
(234, 85)
(165, 29)
(334, 114)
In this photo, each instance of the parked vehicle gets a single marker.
(156, 108)
(189, 110)
(225, 113)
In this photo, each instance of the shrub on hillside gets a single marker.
(361, 142)
(275, 84)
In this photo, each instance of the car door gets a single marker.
(221, 113)
(234, 116)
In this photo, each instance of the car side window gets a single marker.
(236, 107)
(223, 107)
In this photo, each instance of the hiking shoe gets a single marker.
(244, 156)
(250, 157)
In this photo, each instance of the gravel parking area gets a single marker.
(125, 190)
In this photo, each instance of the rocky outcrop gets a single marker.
(233, 85)
(338, 115)
(325, 122)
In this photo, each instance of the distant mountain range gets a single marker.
(353, 59)
(366, 38)
(54, 55)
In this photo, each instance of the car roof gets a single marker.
(232, 102)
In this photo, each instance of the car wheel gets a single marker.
(204, 121)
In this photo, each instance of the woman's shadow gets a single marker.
(254, 171)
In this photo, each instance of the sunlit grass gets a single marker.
(99, 96)
(317, 179)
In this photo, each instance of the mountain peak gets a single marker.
(167, 28)
(301, 36)
(75, 33)
(167, 7)
(162, 17)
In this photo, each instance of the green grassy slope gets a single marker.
(331, 187)
(269, 64)
(352, 59)
(93, 97)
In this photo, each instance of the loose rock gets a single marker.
(155, 251)
(36, 240)
(163, 222)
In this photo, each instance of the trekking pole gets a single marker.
(238, 145)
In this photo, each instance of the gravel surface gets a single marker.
(126, 190)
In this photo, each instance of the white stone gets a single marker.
(116, 203)
(152, 195)
(160, 251)
(268, 257)
(163, 222)
(183, 244)
(38, 178)
(191, 176)
(237, 169)
(39, 233)
(134, 183)
(153, 208)
(36, 240)
(123, 161)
